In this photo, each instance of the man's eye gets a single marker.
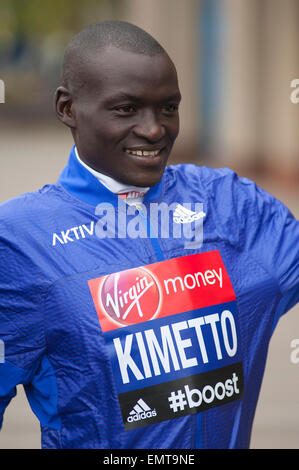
(170, 108)
(127, 109)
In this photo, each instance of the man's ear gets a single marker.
(63, 105)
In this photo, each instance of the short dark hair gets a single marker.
(99, 36)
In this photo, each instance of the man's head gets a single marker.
(120, 97)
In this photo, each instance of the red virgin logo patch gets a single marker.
(130, 297)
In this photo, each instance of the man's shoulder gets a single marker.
(28, 209)
(29, 202)
(224, 185)
(206, 176)
(201, 174)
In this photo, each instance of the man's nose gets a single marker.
(150, 127)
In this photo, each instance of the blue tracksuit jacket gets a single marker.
(143, 329)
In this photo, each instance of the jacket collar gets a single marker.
(81, 183)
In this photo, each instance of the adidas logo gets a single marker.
(141, 411)
(182, 215)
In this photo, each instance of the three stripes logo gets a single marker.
(182, 215)
(141, 411)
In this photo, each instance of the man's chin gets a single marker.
(146, 180)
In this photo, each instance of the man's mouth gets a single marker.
(143, 152)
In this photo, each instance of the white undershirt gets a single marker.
(130, 194)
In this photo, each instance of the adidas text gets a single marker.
(143, 415)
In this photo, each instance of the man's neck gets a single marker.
(125, 191)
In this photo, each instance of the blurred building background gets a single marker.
(235, 60)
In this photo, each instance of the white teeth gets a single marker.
(145, 153)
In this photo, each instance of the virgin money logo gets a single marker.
(130, 297)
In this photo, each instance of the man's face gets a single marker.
(126, 117)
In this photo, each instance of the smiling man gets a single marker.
(149, 341)
(120, 99)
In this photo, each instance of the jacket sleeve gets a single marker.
(272, 236)
(21, 327)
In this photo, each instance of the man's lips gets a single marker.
(144, 151)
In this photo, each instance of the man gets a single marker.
(125, 337)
